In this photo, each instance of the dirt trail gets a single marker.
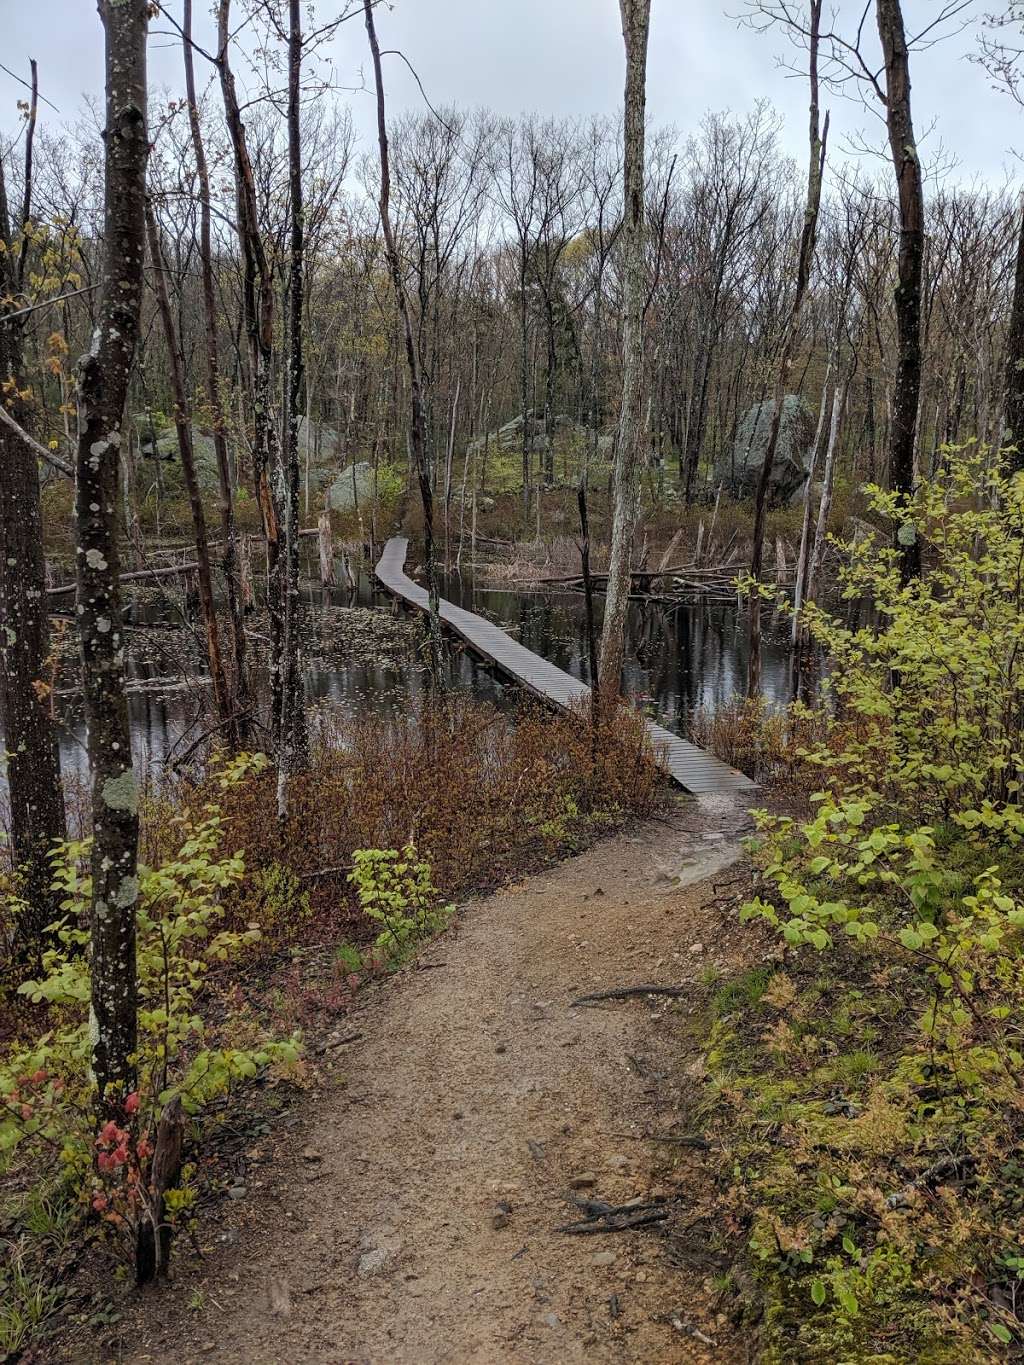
(476, 1085)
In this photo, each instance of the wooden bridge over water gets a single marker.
(694, 769)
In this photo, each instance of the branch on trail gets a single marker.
(626, 992)
(602, 1217)
(687, 1330)
(40, 451)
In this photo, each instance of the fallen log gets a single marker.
(136, 576)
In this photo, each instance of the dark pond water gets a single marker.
(679, 657)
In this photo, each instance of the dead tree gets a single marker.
(417, 426)
(907, 165)
(1002, 60)
(292, 721)
(258, 310)
(229, 561)
(183, 429)
(818, 137)
(103, 388)
(630, 439)
(33, 764)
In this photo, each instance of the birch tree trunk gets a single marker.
(102, 390)
(626, 472)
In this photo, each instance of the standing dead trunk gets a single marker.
(213, 383)
(907, 383)
(417, 427)
(803, 554)
(258, 310)
(33, 764)
(1013, 384)
(292, 755)
(818, 137)
(103, 389)
(183, 428)
(828, 478)
(629, 443)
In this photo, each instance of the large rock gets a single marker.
(739, 469)
(354, 483)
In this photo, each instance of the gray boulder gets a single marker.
(739, 469)
(354, 483)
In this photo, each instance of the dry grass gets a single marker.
(484, 795)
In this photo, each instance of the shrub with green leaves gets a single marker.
(46, 1091)
(925, 699)
(395, 890)
(887, 1209)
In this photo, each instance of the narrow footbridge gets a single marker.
(694, 769)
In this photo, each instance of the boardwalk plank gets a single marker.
(692, 768)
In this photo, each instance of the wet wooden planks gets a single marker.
(694, 769)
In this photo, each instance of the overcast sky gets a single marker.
(561, 57)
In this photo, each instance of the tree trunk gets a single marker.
(293, 716)
(1013, 387)
(33, 764)
(183, 428)
(103, 388)
(258, 309)
(818, 138)
(417, 429)
(213, 383)
(629, 443)
(907, 384)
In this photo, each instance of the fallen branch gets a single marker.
(40, 451)
(625, 992)
(602, 1217)
(135, 576)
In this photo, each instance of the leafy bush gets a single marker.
(888, 1207)
(395, 890)
(46, 1087)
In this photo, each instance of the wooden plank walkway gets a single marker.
(694, 769)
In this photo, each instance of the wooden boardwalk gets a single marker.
(694, 769)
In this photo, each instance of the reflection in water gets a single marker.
(679, 657)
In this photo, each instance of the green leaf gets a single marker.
(818, 1292)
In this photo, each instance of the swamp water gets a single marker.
(680, 656)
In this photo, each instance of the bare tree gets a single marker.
(636, 16)
(238, 729)
(818, 135)
(1002, 57)
(417, 426)
(33, 765)
(103, 388)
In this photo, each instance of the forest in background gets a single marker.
(468, 334)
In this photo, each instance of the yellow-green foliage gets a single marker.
(46, 1099)
(930, 697)
(887, 1208)
(396, 891)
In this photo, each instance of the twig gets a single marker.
(689, 1331)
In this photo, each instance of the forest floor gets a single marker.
(409, 1209)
